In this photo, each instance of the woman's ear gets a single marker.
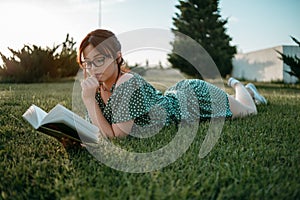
(119, 57)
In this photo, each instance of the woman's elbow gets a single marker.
(122, 129)
(120, 134)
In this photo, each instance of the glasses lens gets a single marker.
(99, 61)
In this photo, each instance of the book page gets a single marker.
(60, 114)
(34, 115)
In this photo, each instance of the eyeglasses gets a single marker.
(97, 62)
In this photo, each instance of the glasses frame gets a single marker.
(88, 64)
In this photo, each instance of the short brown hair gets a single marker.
(105, 42)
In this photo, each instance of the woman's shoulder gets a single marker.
(125, 77)
(130, 78)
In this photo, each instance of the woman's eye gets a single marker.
(99, 60)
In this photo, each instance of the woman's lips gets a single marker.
(99, 75)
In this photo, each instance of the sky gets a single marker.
(252, 24)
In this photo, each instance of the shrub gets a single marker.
(36, 64)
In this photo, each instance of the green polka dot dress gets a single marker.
(188, 100)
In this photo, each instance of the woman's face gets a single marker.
(98, 65)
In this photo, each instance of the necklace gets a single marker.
(111, 89)
(113, 85)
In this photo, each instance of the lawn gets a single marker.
(255, 158)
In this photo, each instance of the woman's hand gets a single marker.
(89, 87)
(70, 144)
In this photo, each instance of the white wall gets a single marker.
(263, 65)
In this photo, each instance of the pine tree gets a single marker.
(200, 20)
(292, 61)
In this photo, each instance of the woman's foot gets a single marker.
(258, 98)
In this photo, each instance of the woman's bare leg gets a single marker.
(242, 103)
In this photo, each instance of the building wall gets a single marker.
(263, 65)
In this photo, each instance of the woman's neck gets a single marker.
(109, 85)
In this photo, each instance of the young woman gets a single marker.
(122, 103)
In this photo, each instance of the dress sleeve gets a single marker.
(132, 99)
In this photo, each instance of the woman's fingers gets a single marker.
(68, 143)
(89, 87)
(89, 81)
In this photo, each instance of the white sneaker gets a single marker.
(258, 98)
(232, 81)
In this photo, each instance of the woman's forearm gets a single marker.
(98, 119)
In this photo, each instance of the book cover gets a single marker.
(61, 122)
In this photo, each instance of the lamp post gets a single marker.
(99, 17)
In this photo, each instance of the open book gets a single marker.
(61, 122)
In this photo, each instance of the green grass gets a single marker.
(255, 158)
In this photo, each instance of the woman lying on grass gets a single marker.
(122, 103)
